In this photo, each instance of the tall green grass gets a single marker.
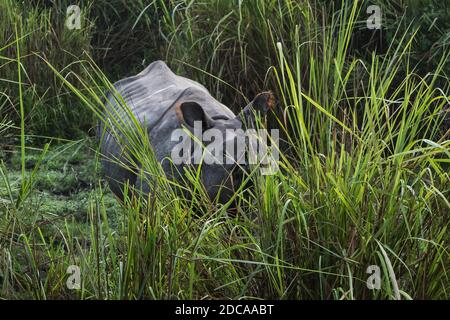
(363, 174)
(50, 111)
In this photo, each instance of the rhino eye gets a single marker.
(220, 117)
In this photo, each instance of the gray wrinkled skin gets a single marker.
(155, 96)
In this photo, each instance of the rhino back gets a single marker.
(151, 94)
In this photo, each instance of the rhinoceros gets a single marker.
(162, 102)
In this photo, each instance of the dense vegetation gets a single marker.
(364, 179)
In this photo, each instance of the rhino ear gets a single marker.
(262, 103)
(190, 112)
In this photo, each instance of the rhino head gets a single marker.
(219, 144)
